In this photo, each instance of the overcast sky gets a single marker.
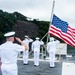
(42, 9)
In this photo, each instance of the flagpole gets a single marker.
(48, 37)
(51, 18)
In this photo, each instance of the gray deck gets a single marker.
(43, 68)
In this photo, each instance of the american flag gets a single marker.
(62, 30)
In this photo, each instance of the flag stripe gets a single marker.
(68, 37)
(62, 30)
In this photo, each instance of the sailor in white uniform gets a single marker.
(8, 54)
(51, 48)
(27, 40)
(36, 49)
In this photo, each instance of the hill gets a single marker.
(22, 25)
(23, 28)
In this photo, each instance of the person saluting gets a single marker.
(9, 52)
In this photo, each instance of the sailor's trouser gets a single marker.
(25, 56)
(36, 58)
(52, 59)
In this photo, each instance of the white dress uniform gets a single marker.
(8, 54)
(51, 48)
(26, 52)
(0, 63)
(36, 49)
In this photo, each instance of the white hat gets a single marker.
(9, 34)
(37, 38)
(51, 39)
(26, 36)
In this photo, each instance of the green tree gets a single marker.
(19, 16)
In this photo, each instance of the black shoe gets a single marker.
(36, 65)
(26, 64)
(52, 67)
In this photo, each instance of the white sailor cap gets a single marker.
(9, 34)
(51, 39)
(37, 38)
(26, 36)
